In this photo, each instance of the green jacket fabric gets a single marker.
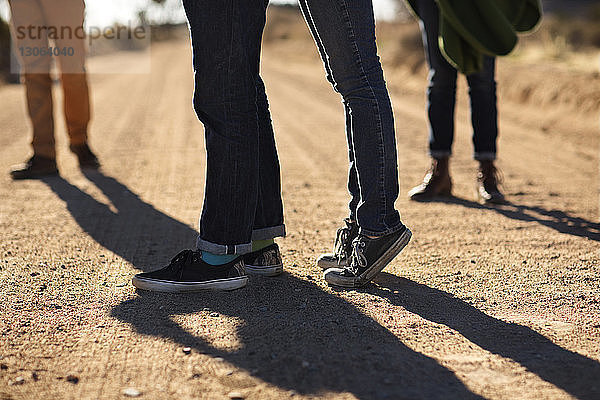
(471, 28)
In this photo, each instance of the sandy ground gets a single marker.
(497, 303)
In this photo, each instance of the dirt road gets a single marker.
(498, 303)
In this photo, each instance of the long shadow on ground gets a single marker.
(294, 335)
(558, 220)
(568, 370)
(298, 337)
(135, 230)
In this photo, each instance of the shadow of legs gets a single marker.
(554, 219)
(568, 370)
(298, 337)
(136, 231)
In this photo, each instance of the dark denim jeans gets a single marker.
(344, 31)
(242, 199)
(441, 94)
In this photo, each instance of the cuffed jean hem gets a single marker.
(268, 233)
(487, 156)
(388, 231)
(231, 249)
(440, 153)
(258, 234)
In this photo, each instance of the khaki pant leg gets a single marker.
(38, 85)
(68, 16)
(39, 104)
(77, 107)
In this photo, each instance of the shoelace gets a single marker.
(341, 243)
(183, 258)
(358, 259)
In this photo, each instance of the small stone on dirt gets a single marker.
(73, 379)
(19, 380)
(35, 376)
(236, 396)
(132, 392)
(187, 350)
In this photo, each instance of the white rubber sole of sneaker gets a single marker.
(270, 270)
(181, 287)
(333, 277)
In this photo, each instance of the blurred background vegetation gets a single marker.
(569, 28)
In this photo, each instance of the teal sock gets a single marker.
(261, 244)
(217, 259)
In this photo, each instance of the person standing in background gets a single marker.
(441, 99)
(42, 29)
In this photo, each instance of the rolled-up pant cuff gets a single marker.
(484, 156)
(268, 233)
(243, 248)
(440, 153)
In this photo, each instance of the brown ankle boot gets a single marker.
(437, 182)
(87, 159)
(487, 184)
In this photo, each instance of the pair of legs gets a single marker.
(441, 99)
(242, 200)
(242, 197)
(38, 25)
(344, 32)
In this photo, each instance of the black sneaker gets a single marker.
(342, 248)
(266, 261)
(369, 257)
(87, 159)
(34, 168)
(187, 272)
